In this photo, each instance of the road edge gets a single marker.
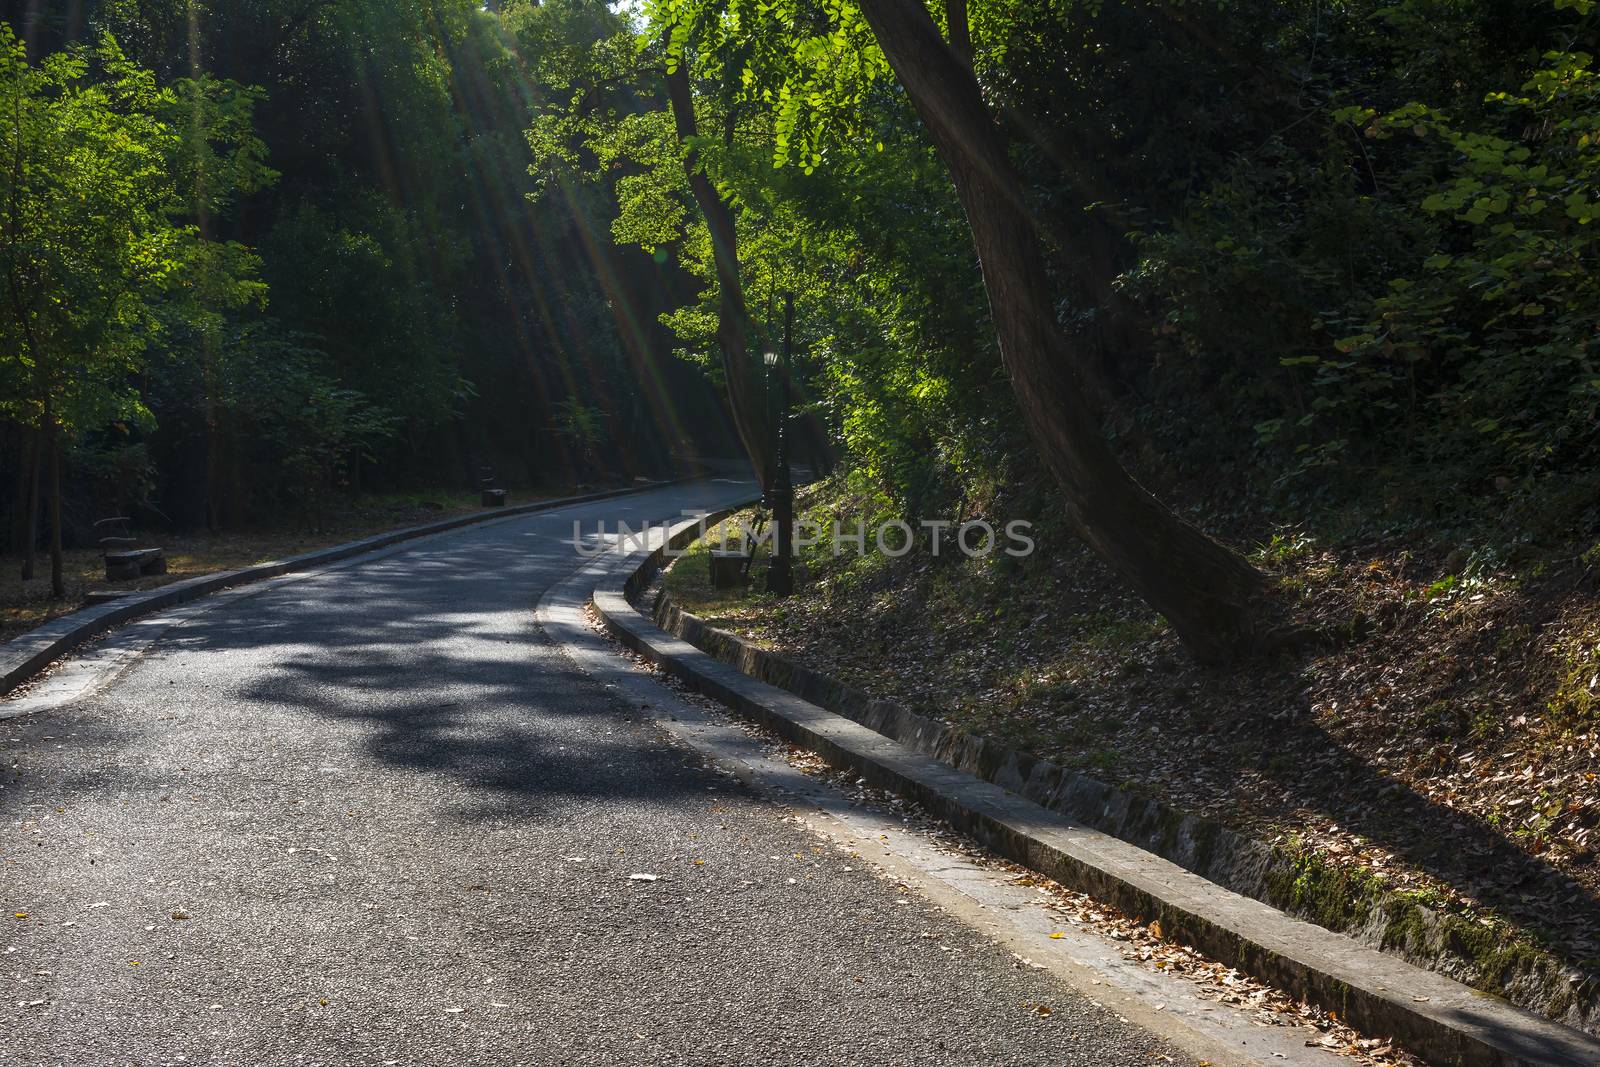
(725, 740)
(1441, 1020)
(25, 656)
(1392, 921)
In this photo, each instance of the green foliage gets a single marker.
(390, 240)
(99, 184)
(1283, 549)
(1400, 280)
(1576, 701)
(810, 65)
(892, 352)
(1499, 318)
(297, 419)
(581, 428)
(359, 284)
(1365, 233)
(1363, 230)
(121, 471)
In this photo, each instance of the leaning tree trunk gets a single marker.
(1210, 595)
(741, 367)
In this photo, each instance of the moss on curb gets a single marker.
(1478, 949)
(1339, 898)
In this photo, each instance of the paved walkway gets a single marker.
(370, 816)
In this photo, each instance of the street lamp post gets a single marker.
(769, 359)
(780, 575)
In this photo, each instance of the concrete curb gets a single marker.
(1283, 877)
(1441, 1020)
(23, 657)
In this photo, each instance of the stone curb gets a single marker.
(23, 657)
(1443, 1021)
(1539, 981)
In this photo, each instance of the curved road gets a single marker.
(371, 816)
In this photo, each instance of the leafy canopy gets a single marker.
(104, 180)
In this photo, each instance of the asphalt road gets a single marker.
(373, 817)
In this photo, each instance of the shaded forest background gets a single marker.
(410, 316)
(1331, 262)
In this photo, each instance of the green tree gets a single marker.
(613, 111)
(101, 190)
(812, 66)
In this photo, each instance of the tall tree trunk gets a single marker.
(58, 585)
(30, 522)
(741, 367)
(959, 28)
(216, 494)
(1213, 598)
(19, 490)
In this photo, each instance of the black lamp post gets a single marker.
(769, 360)
(780, 575)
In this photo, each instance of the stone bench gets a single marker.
(729, 569)
(489, 485)
(133, 563)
